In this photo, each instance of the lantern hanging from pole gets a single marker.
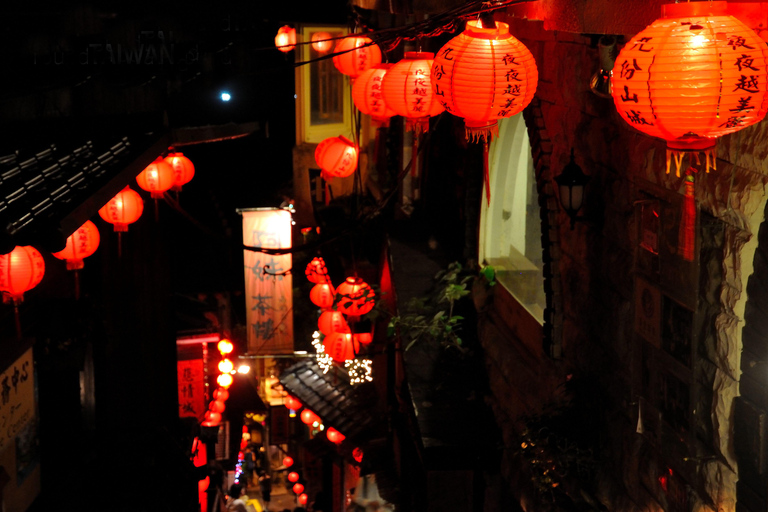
(356, 297)
(322, 295)
(322, 42)
(212, 417)
(691, 76)
(331, 321)
(341, 346)
(157, 178)
(483, 75)
(337, 156)
(226, 365)
(216, 406)
(317, 272)
(80, 244)
(20, 270)
(123, 209)
(183, 170)
(287, 461)
(224, 380)
(366, 94)
(285, 40)
(407, 90)
(298, 488)
(220, 394)
(355, 54)
(335, 436)
(225, 346)
(293, 477)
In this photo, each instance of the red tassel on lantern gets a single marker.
(687, 239)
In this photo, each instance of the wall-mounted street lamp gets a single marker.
(571, 183)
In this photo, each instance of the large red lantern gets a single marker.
(356, 297)
(322, 42)
(407, 90)
(482, 75)
(298, 488)
(693, 75)
(331, 321)
(285, 40)
(308, 417)
(80, 244)
(337, 156)
(20, 270)
(157, 178)
(366, 94)
(317, 272)
(293, 477)
(183, 170)
(322, 295)
(123, 209)
(355, 54)
(335, 436)
(341, 346)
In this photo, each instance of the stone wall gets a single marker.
(597, 268)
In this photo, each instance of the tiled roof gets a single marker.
(349, 409)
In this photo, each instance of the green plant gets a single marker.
(427, 318)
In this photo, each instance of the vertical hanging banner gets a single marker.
(191, 379)
(268, 285)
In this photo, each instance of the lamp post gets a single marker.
(571, 183)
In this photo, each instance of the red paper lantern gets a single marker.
(285, 40)
(224, 380)
(80, 244)
(293, 477)
(298, 488)
(220, 394)
(287, 462)
(157, 178)
(357, 454)
(226, 365)
(407, 90)
(322, 295)
(331, 321)
(302, 499)
(693, 75)
(321, 42)
(225, 346)
(337, 156)
(216, 406)
(364, 338)
(482, 75)
(341, 346)
(335, 436)
(212, 417)
(123, 209)
(356, 297)
(292, 403)
(355, 54)
(317, 272)
(308, 417)
(183, 169)
(20, 270)
(366, 94)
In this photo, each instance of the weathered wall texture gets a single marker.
(598, 267)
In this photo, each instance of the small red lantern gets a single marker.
(407, 89)
(691, 76)
(123, 209)
(225, 346)
(298, 488)
(335, 436)
(356, 297)
(331, 321)
(80, 244)
(287, 462)
(357, 454)
(341, 346)
(321, 42)
(366, 94)
(292, 403)
(364, 338)
(337, 156)
(20, 270)
(224, 380)
(317, 272)
(302, 499)
(212, 417)
(322, 295)
(216, 406)
(293, 477)
(183, 169)
(355, 54)
(226, 365)
(220, 394)
(285, 40)
(308, 417)
(157, 178)
(482, 75)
